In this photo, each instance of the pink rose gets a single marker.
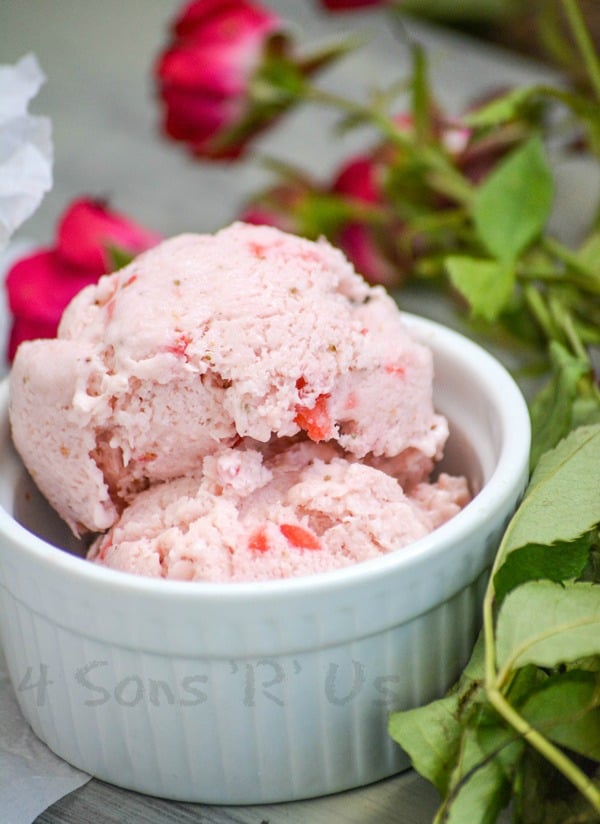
(90, 240)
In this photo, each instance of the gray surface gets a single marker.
(405, 799)
(97, 57)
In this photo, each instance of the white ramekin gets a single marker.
(259, 692)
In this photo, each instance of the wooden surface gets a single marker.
(405, 799)
(97, 57)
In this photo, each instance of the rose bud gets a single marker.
(367, 235)
(228, 74)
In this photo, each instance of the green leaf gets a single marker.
(326, 54)
(542, 795)
(504, 108)
(592, 570)
(589, 253)
(431, 734)
(558, 562)
(118, 256)
(480, 782)
(552, 408)
(566, 709)
(523, 682)
(421, 97)
(547, 624)
(487, 285)
(562, 501)
(586, 410)
(480, 786)
(512, 205)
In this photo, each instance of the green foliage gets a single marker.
(511, 207)
(556, 562)
(487, 285)
(502, 109)
(551, 511)
(552, 410)
(524, 718)
(547, 623)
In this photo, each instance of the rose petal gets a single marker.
(196, 118)
(24, 329)
(87, 230)
(41, 285)
(212, 18)
(358, 178)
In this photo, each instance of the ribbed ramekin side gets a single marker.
(243, 730)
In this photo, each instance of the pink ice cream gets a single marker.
(242, 518)
(235, 406)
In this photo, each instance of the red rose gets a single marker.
(366, 238)
(90, 238)
(358, 178)
(228, 73)
(204, 76)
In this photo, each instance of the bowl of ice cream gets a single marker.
(238, 530)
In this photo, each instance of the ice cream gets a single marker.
(234, 406)
(305, 510)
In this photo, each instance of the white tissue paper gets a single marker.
(25, 146)
(31, 776)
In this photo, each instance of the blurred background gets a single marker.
(531, 27)
(98, 59)
(100, 94)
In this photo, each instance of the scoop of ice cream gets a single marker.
(303, 510)
(205, 339)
